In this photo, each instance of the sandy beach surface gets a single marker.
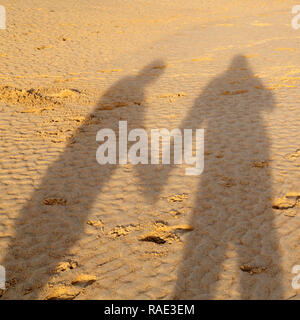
(73, 229)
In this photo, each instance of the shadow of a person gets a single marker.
(45, 233)
(232, 213)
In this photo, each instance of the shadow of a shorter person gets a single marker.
(44, 234)
(232, 213)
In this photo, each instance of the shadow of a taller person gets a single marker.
(44, 234)
(233, 251)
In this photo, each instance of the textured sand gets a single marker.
(72, 229)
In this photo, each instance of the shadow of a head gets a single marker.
(131, 89)
(239, 61)
(238, 69)
(150, 72)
